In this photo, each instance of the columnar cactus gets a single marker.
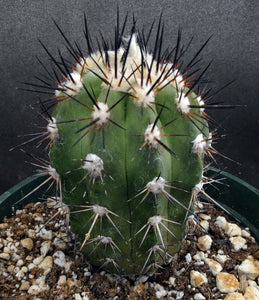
(127, 138)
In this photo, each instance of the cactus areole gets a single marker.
(127, 136)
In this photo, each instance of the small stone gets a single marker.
(204, 216)
(252, 283)
(44, 249)
(205, 225)
(250, 267)
(226, 283)
(251, 293)
(188, 258)
(197, 278)
(199, 256)
(45, 234)
(27, 243)
(62, 280)
(59, 258)
(47, 263)
(232, 229)
(221, 258)
(31, 266)
(199, 296)
(24, 269)
(34, 290)
(237, 242)
(204, 242)
(70, 282)
(4, 226)
(7, 250)
(25, 285)
(221, 222)
(160, 291)
(31, 233)
(68, 265)
(20, 263)
(234, 296)
(214, 266)
(38, 260)
(77, 296)
(10, 268)
(172, 280)
(5, 256)
(61, 245)
(245, 233)
(20, 274)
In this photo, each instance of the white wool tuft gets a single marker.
(93, 164)
(183, 104)
(151, 136)
(101, 112)
(71, 87)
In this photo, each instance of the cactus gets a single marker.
(127, 139)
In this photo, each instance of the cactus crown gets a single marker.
(126, 142)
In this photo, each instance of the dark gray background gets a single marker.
(233, 49)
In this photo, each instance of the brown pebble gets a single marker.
(27, 243)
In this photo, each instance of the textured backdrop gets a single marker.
(233, 50)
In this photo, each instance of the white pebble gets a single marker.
(197, 278)
(205, 225)
(34, 290)
(204, 216)
(188, 258)
(250, 267)
(24, 269)
(199, 296)
(7, 250)
(237, 242)
(221, 222)
(46, 264)
(172, 280)
(199, 263)
(59, 244)
(178, 273)
(31, 233)
(20, 263)
(179, 295)
(59, 258)
(234, 296)
(38, 260)
(20, 274)
(245, 233)
(199, 256)
(226, 283)
(221, 258)
(204, 242)
(62, 280)
(31, 266)
(25, 285)
(77, 296)
(251, 293)
(160, 291)
(5, 256)
(44, 249)
(214, 266)
(232, 229)
(45, 234)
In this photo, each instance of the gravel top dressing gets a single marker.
(219, 260)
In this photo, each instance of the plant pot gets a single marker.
(234, 194)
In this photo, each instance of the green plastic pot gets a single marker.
(234, 194)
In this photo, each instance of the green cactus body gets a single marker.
(127, 140)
